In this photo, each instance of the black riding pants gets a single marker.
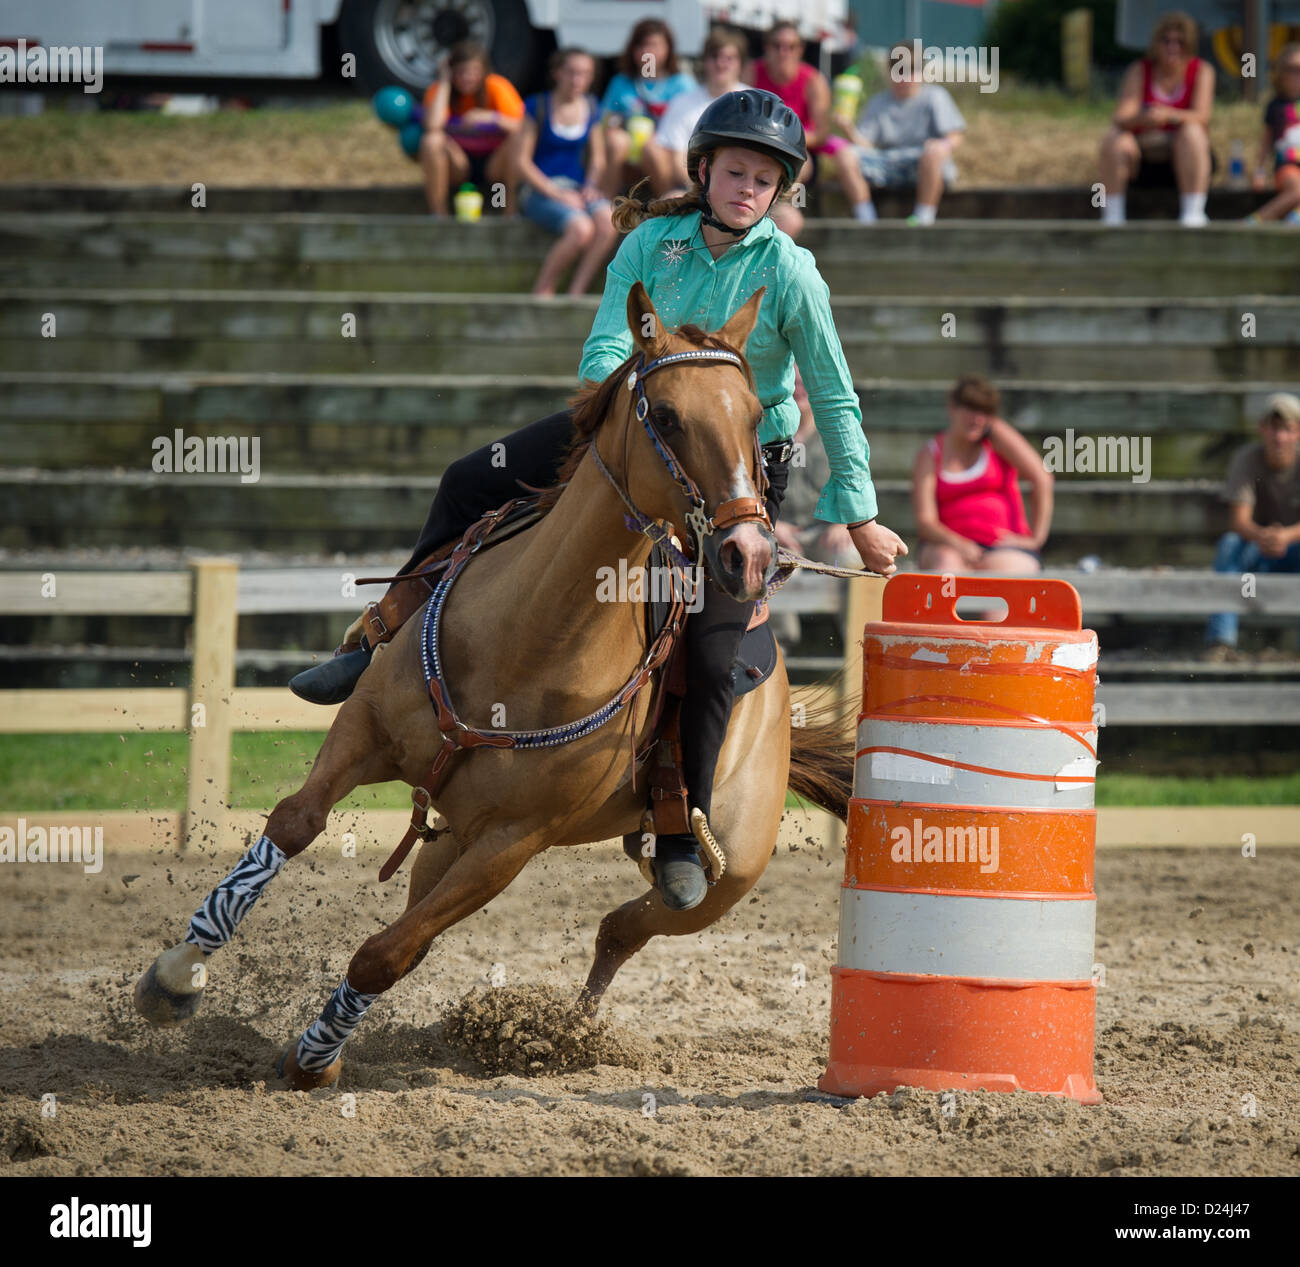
(485, 479)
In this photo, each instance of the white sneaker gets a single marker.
(1194, 220)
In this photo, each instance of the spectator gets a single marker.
(1263, 492)
(1281, 140)
(468, 113)
(907, 134)
(1159, 133)
(648, 79)
(558, 188)
(724, 57)
(966, 491)
(804, 89)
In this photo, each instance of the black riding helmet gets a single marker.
(757, 120)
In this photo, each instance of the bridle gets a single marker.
(700, 525)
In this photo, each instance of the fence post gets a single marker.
(212, 683)
(861, 604)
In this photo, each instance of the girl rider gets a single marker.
(700, 256)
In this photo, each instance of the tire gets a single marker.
(403, 41)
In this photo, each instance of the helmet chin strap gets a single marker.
(706, 211)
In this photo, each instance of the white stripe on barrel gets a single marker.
(932, 765)
(1011, 939)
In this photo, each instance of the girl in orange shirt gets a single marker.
(468, 113)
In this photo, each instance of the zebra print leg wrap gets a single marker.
(324, 1037)
(214, 923)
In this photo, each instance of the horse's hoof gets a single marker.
(168, 994)
(296, 1079)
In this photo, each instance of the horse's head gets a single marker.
(690, 450)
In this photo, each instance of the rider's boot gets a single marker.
(334, 680)
(679, 874)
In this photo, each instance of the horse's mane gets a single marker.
(594, 401)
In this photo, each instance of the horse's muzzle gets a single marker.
(741, 560)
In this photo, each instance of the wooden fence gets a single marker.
(215, 593)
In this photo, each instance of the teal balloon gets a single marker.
(394, 105)
(410, 137)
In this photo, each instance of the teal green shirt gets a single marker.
(667, 255)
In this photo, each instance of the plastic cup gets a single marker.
(469, 204)
(848, 94)
(639, 131)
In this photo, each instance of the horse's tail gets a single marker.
(822, 748)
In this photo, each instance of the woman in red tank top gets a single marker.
(783, 72)
(1159, 134)
(966, 490)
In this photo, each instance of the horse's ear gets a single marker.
(648, 331)
(741, 323)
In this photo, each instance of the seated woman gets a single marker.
(783, 72)
(1280, 141)
(647, 80)
(559, 188)
(468, 114)
(1159, 133)
(966, 491)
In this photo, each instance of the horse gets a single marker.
(524, 639)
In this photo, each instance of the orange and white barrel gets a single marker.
(967, 913)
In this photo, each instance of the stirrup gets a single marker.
(711, 855)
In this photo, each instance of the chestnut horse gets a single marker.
(524, 634)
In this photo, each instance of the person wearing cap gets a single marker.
(1263, 494)
(700, 256)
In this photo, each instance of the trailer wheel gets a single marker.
(403, 41)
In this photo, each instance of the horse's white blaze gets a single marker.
(747, 539)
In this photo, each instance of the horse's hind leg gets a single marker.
(171, 989)
(746, 818)
(471, 880)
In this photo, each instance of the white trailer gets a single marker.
(390, 41)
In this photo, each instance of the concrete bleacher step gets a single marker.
(1171, 521)
(214, 250)
(380, 423)
(1255, 336)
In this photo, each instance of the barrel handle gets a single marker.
(920, 598)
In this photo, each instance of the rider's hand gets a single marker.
(879, 547)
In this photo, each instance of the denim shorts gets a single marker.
(886, 168)
(550, 213)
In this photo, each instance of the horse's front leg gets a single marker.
(475, 877)
(170, 991)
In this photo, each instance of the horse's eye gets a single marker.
(665, 421)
